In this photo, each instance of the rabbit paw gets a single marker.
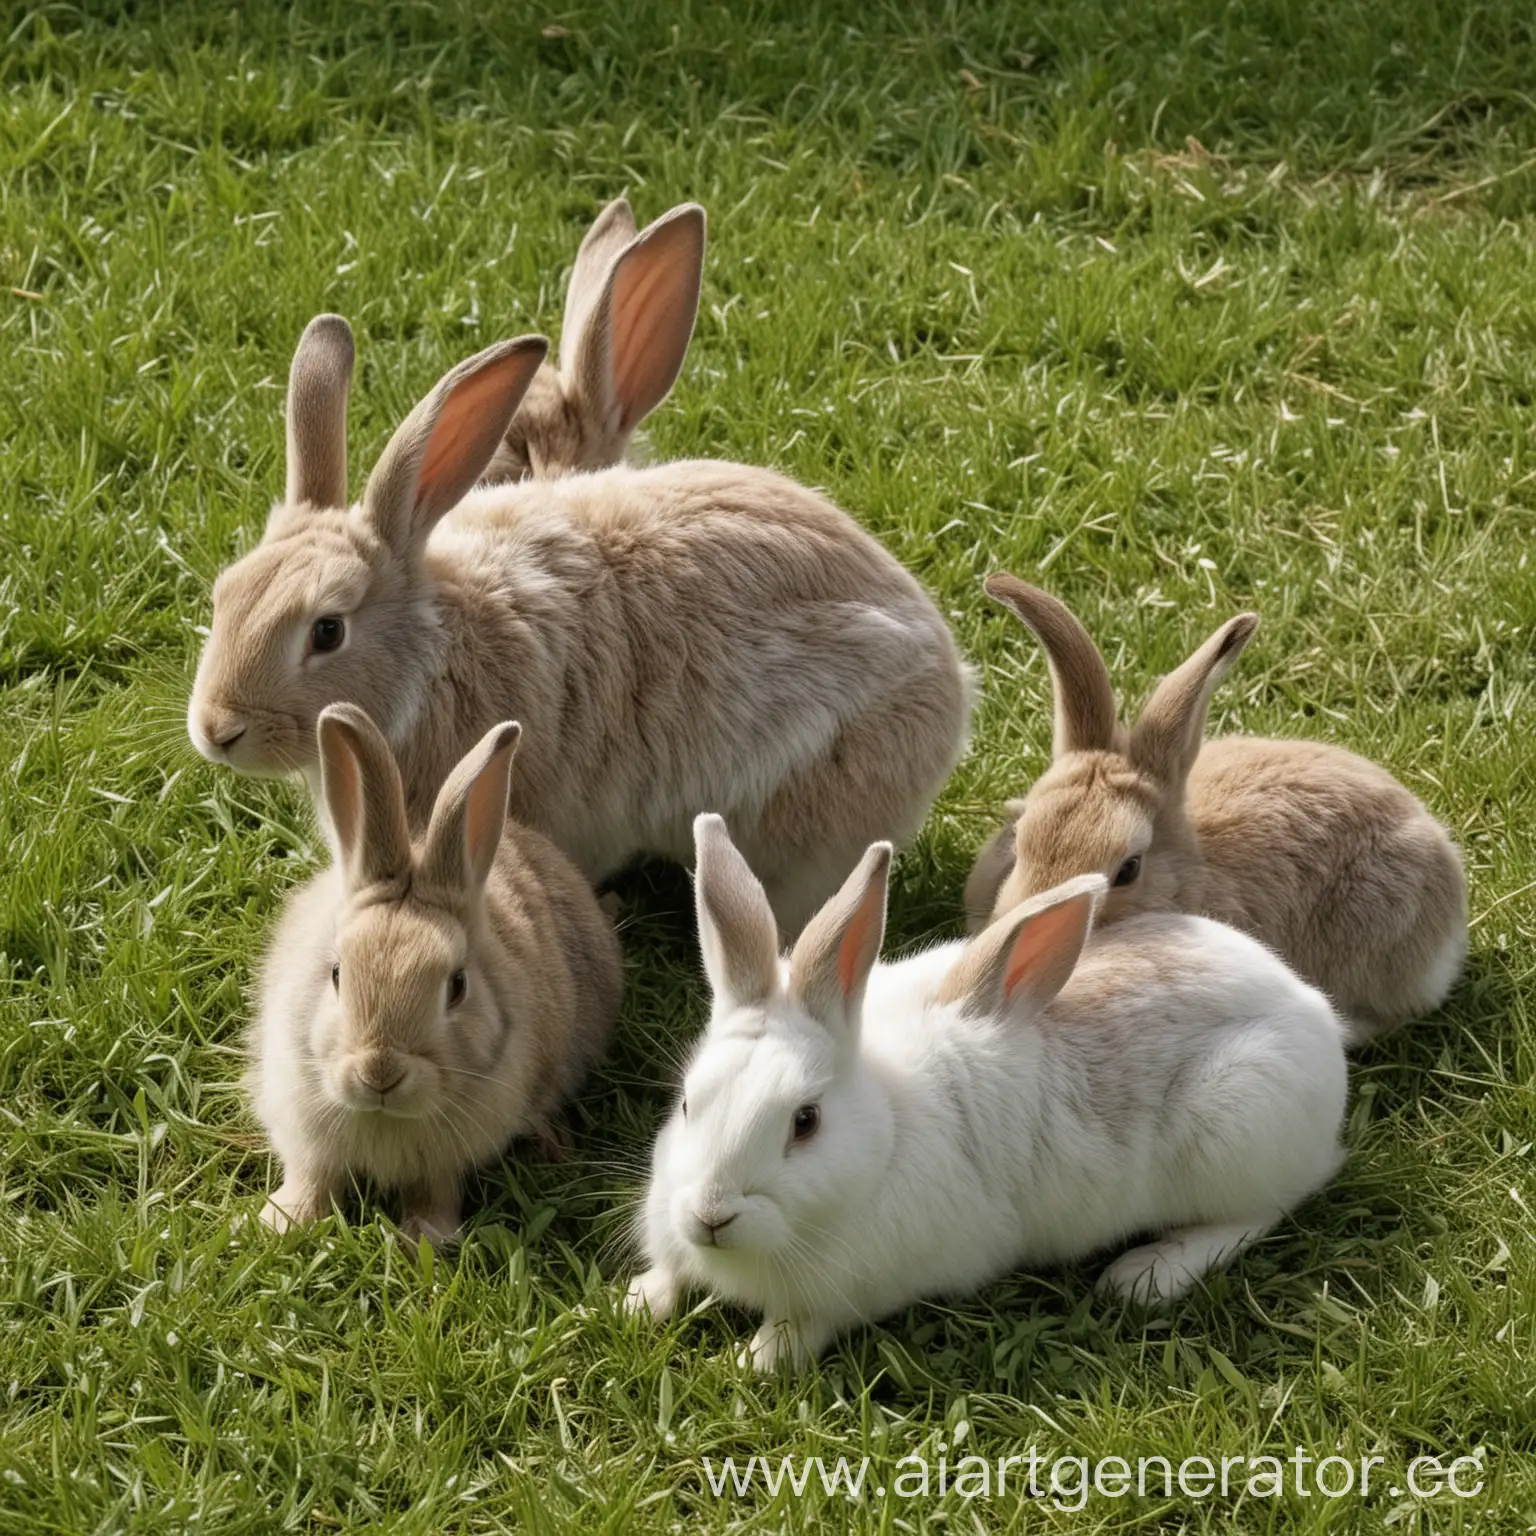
(438, 1228)
(653, 1294)
(295, 1203)
(431, 1211)
(1156, 1274)
(780, 1342)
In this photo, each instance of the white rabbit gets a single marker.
(853, 1137)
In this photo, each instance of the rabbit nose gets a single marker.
(714, 1228)
(379, 1074)
(223, 732)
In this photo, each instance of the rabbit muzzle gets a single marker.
(381, 1081)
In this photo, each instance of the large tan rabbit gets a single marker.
(629, 314)
(677, 638)
(1319, 853)
(423, 1005)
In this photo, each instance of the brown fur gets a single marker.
(1319, 853)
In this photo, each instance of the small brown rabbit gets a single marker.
(629, 314)
(677, 638)
(1319, 853)
(424, 1004)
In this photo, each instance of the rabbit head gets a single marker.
(629, 316)
(1113, 798)
(779, 1128)
(333, 603)
(412, 1026)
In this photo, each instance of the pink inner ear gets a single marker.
(850, 953)
(483, 809)
(1021, 960)
(470, 424)
(650, 322)
(1047, 945)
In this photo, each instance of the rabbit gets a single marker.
(853, 1137)
(629, 315)
(424, 1003)
(676, 638)
(1319, 853)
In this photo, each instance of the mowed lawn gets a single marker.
(1178, 309)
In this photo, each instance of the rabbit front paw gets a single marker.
(653, 1294)
(781, 1342)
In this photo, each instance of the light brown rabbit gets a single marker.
(630, 308)
(686, 637)
(1319, 853)
(424, 1004)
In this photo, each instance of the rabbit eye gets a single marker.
(685, 1109)
(458, 985)
(1127, 873)
(807, 1121)
(336, 975)
(326, 634)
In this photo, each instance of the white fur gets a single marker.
(1200, 1098)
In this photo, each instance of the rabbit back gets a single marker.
(698, 635)
(1184, 1076)
(1215, 1071)
(1329, 859)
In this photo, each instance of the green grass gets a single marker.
(1188, 306)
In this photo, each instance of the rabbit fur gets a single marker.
(673, 638)
(1324, 856)
(424, 1003)
(854, 1136)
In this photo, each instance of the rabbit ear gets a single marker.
(360, 783)
(1166, 740)
(1085, 703)
(1024, 959)
(831, 962)
(443, 447)
(622, 350)
(470, 812)
(318, 383)
(611, 231)
(737, 931)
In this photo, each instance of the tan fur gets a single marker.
(629, 316)
(688, 637)
(1085, 719)
(990, 869)
(317, 413)
(1319, 853)
(454, 1083)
